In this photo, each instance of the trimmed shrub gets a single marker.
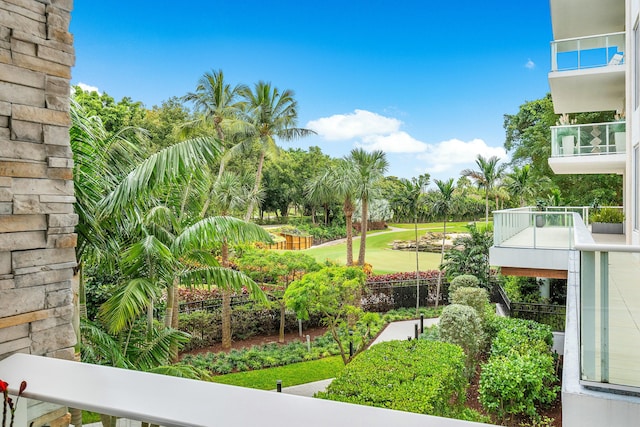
(460, 325)
(520, 375)
(247, 321)
(517, 384)
(420, 376)
(476, 298)
(463, 281)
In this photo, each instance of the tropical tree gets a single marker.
(278, 269)
(473, 258)
(331, 292)
(368, 169)
(411, 192)
(443, 206)
(267, 114)
(486, 176)
(216, 102)
(520, 183)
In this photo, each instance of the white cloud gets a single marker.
(530, 64)
(359, 124)
(88, 88)
(454, 153)
(396, 142)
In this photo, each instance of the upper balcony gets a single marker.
(588, 148)
(578, 18)
(588, 73)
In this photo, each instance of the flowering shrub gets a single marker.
(9, 406)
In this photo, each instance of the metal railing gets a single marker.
(534, 228)
(588, 52)
(588, 139)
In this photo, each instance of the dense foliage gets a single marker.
(419, 376)
(520, 376)
(473, 258)
(461, 325)
(463, 281)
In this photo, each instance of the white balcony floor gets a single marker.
(549, 237)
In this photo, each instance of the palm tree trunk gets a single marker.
(444, 238)
(415, 229)
(348, 214)
(486, 206)
(226, 301)
(168, 314)
(256, 187)
(363, 232)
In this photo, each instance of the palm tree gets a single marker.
(217, 102)
(486, 176)
(268, 114)
(368, 169)
(443, 206)
(320, 191)
(412, 190)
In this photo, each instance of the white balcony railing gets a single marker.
(529, 228)
(588, 139)
(588, 52)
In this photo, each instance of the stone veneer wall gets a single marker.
(37, 220)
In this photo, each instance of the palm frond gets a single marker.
(127, 303)
(224, 278)
(210, 231)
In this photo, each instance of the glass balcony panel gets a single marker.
(588, 52)
(588, 139)
(610, 315)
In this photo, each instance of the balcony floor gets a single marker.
(541, 237)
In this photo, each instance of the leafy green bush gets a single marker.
(410, 313)
(517, 384)
(460, 325)
(520, 375)
(420, 376)
(463, 281)
(610, 215)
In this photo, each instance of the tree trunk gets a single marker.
(363, 230)
(348, 214)
(444, 237)
(226, 301)
(256, 187)
(282, 321)
(486, 207)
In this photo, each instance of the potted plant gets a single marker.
(607, 221)
(540, 207)
(566, 134)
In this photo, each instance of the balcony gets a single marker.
(588, 73)
(578, 18)
(533, 241)
(588, 148)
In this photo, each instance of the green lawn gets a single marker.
(381, 256)
(294, 374)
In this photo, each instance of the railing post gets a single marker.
(587, 315)
(604, 317)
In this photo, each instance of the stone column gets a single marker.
(37, 220)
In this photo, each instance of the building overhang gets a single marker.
(594, 164)
(579, 18)
(590, 89)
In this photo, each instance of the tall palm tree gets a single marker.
(217, 103)
(368, 170)
(443, 206)
(319, 191)
(412, 191)
(339, 180)
(268, 114)
(486, 176)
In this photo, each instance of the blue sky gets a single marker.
(428, 82)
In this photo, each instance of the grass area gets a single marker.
(294, 374)
(381, 256)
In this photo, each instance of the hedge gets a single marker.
(420, 376)
(247, 321)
